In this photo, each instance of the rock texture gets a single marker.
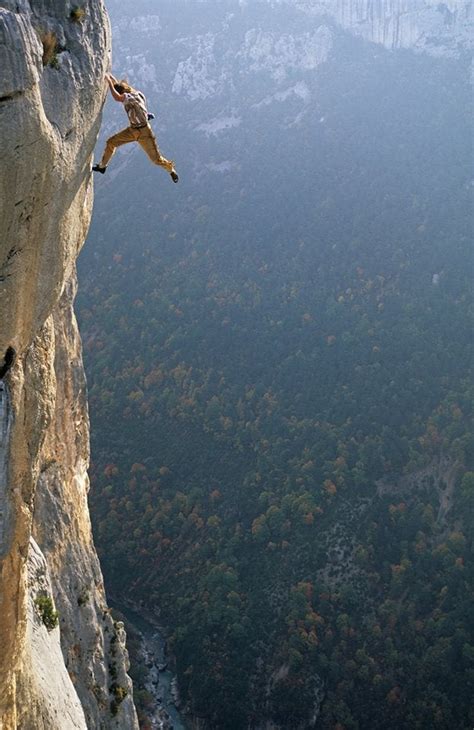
(53, 688)
(52, 66)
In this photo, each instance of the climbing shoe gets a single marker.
(174, 175)
(98, 168)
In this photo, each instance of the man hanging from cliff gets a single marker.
(138, 131)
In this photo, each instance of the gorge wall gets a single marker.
(53, 57)
(437, 28)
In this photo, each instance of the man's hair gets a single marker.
(122, 87)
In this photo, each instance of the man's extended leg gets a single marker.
(148, 141)
(124, 137)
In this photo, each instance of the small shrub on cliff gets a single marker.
(83, 597)
(77, 14)
(119, 693)
(51, 49)
(45, 607)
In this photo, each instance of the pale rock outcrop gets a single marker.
(50, 108)
(434, 27)
(279, 54)
(197, 76)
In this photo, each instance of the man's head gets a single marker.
(122, 87)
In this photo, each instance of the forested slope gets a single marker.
(279, 374)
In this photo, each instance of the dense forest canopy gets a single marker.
(278, 355)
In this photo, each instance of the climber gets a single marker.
(138, 131)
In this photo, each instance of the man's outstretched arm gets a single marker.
(111, 81)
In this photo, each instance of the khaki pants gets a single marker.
(145, 137)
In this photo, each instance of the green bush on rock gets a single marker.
(46, 610)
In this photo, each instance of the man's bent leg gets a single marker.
(124, 137)
(148, 141)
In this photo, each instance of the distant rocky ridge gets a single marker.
(62, 659)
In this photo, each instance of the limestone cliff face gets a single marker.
(438, 28)
(52, 65)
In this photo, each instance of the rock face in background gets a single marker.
(52, 63)
(437, 28)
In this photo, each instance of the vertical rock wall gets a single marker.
(52, 65)
(439, 28)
